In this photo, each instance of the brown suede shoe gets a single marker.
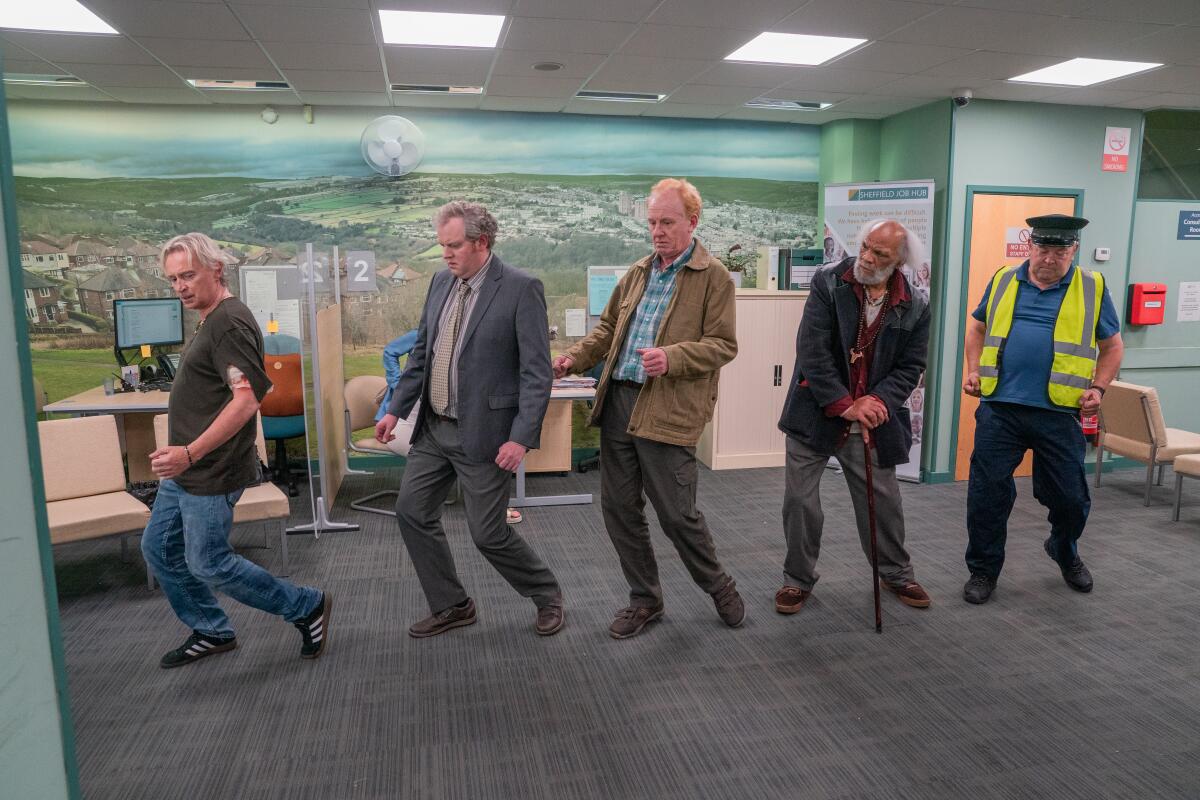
(729, 604)
(631, 620)
(452, 617)
(790, 599)
(550, 620)
(911, 594)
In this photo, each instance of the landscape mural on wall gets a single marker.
(100, 188)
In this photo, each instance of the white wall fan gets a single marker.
(392, 146)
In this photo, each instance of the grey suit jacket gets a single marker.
(504, 373)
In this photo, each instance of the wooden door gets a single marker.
(997, 221)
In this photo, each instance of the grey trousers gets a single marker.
(803, 518)
(666, 473)
(432, 465)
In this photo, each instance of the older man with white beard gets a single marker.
(860, 352)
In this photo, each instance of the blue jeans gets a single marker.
(186, 544)
(1003, 432)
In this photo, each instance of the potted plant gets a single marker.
(738, 260)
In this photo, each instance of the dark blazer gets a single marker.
(504, 373)
(828, 330)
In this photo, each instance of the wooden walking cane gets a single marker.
(866, 435)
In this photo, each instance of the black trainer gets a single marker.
(979, 588)
(195, 648)
(315, 629)
(1076, 574)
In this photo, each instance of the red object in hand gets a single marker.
(1090, 424)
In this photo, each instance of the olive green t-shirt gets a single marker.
(228, 337)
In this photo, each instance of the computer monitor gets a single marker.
(153, 321)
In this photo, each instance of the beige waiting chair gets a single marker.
(84, 481)
(39, 398)
(360, 394)
(1131, 425)
(1184, 465)
(262, 503)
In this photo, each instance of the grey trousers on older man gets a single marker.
(433, 463)
(803, 518)
(666, 473)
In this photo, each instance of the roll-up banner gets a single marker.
(849, 207)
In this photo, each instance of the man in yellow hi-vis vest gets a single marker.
(1042, 345)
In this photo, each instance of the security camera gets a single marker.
(962, 97)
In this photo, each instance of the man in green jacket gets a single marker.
(665, 334)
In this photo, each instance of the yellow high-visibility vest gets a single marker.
(1074, 335)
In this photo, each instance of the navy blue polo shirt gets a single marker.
(1029, 352)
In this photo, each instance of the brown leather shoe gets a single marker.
(452, 617)
(790, 599)
(729, 604)
(631, 620)
(550, 620)
(911, 594)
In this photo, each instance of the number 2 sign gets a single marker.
(360, 271)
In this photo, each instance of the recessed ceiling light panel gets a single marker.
(621, 97)
(774, 104)
(438, 29)
(425, 88)
(42, 80)
(56, 16)
(1084, 72)
(793, 48)
(239, 86)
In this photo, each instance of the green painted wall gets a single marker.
(1029, 145)
(36, 750)
(915, 145)
(849, 152)
(1165, 356)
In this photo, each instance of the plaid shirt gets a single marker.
(660, 285)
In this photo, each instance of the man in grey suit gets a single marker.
(481, 369)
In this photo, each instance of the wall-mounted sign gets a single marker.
(1189, 226)
(1016, 243)
(1116, 150)
(360, 271)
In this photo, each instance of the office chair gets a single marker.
(283, 409)
(360, 394)
(586, 464)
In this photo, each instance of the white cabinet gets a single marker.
(744, 430)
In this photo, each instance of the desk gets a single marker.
(521, 500)
(135, 412)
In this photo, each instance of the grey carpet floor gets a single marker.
(1042, 693)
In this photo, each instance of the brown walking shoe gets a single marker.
(631, 620)
(550, 619)
(911, 593)
(790, 599)
(729, 604)
(442, 621)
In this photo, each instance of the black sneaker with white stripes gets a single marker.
(314, 629)
(195, 648)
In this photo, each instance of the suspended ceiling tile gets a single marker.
(1171, 12)
(81, 48)
(311, 55)
(326, 26)
(208, 53)
(491, 103)
(1097, 96)
(1020, 92)
(170, 20)
(30, 67)
(606, 11)
(1058, 7)
(762, 76)
(624, 72)
(989, 65)
(532, 33)
(120, 75)
(520, 63)
(435, 100)
(752, 15)
(336, 81)
(512, 86)
(766, 115)
(928, 86)
(883, 105)
(1180, 45)
(460, 66)
(503, 7)
(836, 79)
(260, 98)
(860, 19)
(1166, 79)
(16, 91)
(690, 110)
(654, 40)
(713, 95)
(1170, 100)
(345, 98)
(900, 58)
(360, 4)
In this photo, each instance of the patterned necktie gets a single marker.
(439, 388)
